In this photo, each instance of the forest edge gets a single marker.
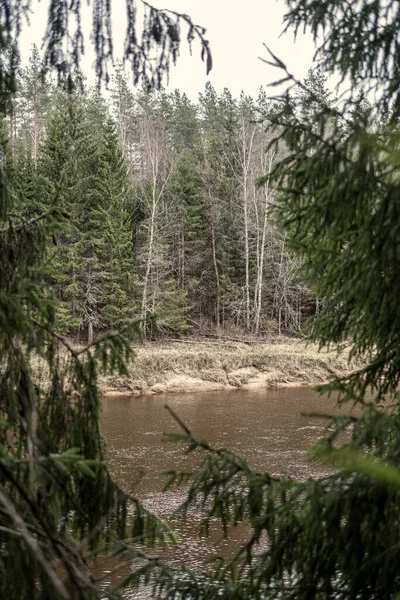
(188, 367)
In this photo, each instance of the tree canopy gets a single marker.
(337, 198)
(337, 186)
(59, 506)
(152, 40)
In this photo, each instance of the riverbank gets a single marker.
(174, 367)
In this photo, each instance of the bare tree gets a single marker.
(264, 160)
(242, 171)
(156, 170)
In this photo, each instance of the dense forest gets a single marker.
(145, 204)
(166, 218)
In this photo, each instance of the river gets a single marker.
(266, 426)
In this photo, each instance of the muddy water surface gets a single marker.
(266, 426)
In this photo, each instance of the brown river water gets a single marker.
(266, 426)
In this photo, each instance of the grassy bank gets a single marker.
(191, 366)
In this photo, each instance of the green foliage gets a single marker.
(67, 259)
(309, 109)
(59, 506)
(350, 207)
(31, 106)
(336, 536)
(94, 263)
(51, 453)
(359, 43)
(150, 48)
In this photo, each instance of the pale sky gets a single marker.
(236, 34)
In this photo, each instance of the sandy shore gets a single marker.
(170, 367)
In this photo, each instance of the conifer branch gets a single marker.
(8, 509)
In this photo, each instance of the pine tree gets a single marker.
(124, 112)
(309, 106)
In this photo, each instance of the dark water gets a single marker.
(266, 426)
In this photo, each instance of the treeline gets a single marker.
(165, 217)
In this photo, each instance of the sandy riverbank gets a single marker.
(171, 367)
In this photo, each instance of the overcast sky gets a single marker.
(236, 33)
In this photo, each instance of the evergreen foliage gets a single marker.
(31, 105)
(57, 499)
(196, 223)
(309, 109)
(104, 221)
(187, 190)
(59, 507)
(94, 260)
(337, 536)
(150, 48)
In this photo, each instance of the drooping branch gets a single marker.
(150, 48)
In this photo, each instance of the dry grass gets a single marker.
(179, 367)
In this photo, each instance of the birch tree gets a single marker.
(155, 171)
(59, 505)
(245, 149)
(262, 198)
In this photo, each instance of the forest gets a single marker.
(166, 218)
(143, 213)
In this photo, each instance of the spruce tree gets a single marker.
(335, 537)
(56, 495)
(94, 261)
(59, 507)
(187, 189)
(225, 271)
(119, 300)
(61, 181)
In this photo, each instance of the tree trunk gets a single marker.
(246, 252)
(12, 131)
(149, 259)
(90, 332)
(183, 259)
(35, 125)
(218, 290)
(260, 262)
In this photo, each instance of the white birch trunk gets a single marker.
(245, 157)
(149, 259)
(267, 161)
(216, 271)
(155, 148)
